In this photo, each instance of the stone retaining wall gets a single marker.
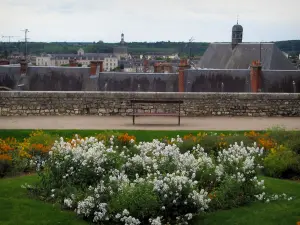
(14, 103)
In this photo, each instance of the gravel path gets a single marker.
(148, 123)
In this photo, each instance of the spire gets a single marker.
(237, 19)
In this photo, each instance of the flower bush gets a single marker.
(18, 157)
(282, 162)
(118, 180)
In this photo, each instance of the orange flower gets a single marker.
(212, 195)
(266, 143)
(126, 138)
(39, 149)
(5, 157)
(298, 223)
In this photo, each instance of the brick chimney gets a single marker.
(255, 76)
(73, 63)
(4, 62)
(23, 66)
(145, 65)
(183, 65)
(93, 68)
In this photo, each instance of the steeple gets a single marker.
(237, 34)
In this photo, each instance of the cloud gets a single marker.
(155, 20)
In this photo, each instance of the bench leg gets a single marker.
(133, 119)
(179, 115)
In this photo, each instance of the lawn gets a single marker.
(17, 207)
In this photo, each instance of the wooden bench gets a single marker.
(136, 114)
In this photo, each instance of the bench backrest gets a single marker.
(156, 101)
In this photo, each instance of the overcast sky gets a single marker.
(149, 20)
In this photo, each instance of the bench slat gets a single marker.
(155, 114)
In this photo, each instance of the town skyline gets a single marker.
(92, 21)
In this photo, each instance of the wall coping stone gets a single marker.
(150, 95)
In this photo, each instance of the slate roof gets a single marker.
(222, 56)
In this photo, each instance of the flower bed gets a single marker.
(281, 158)
(121, 181)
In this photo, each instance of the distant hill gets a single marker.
(291, 46)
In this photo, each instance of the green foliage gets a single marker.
(278, 162)
(140, 200)
(231, 194)
(294, 143)
(5, 167)
(40, 137)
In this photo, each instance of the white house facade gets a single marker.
(110, 61)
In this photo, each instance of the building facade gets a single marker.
(110, 61)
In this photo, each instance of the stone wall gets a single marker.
(118, 103)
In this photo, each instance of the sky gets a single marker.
(149, 20)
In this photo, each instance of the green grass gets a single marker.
(141, 135)
(275, 213)
(17, 208)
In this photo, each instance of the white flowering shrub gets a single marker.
(149, 182)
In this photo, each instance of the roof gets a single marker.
(222, 56)
(85, 56)
(237, 27)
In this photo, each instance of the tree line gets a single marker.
(183, 48)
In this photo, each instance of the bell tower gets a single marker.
(237, 34)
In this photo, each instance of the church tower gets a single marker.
(122, 39)
(237, 34)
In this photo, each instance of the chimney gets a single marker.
(96, 67)
(73, 63)
(4, 62)
(183, 65)
(23, 66)
(255, 76)
(146, 65)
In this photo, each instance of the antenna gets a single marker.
(26, 31)
(9, 37)
(190, 48)
(237, 19)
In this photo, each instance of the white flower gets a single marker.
(68, 202)
(125, 212)
(173, 176)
